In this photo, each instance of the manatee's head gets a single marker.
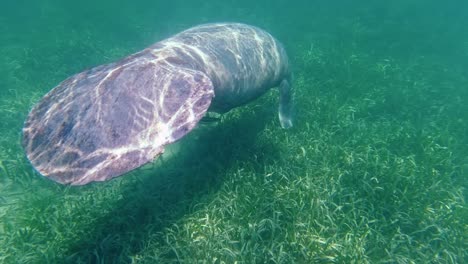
(108, 120)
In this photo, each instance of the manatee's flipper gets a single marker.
(285, 104)
(111, 119)
(210, 118)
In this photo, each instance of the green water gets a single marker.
(374, 171)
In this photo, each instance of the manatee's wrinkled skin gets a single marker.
(113, 118)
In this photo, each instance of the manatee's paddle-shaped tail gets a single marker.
(111, 119)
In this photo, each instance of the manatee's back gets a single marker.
(242, 61)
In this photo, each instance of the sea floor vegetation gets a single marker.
(374, 170)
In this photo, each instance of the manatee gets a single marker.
(113, 118)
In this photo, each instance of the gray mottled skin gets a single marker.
(113, 118)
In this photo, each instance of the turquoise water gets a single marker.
(374, 170)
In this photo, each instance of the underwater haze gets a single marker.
(375, 169)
